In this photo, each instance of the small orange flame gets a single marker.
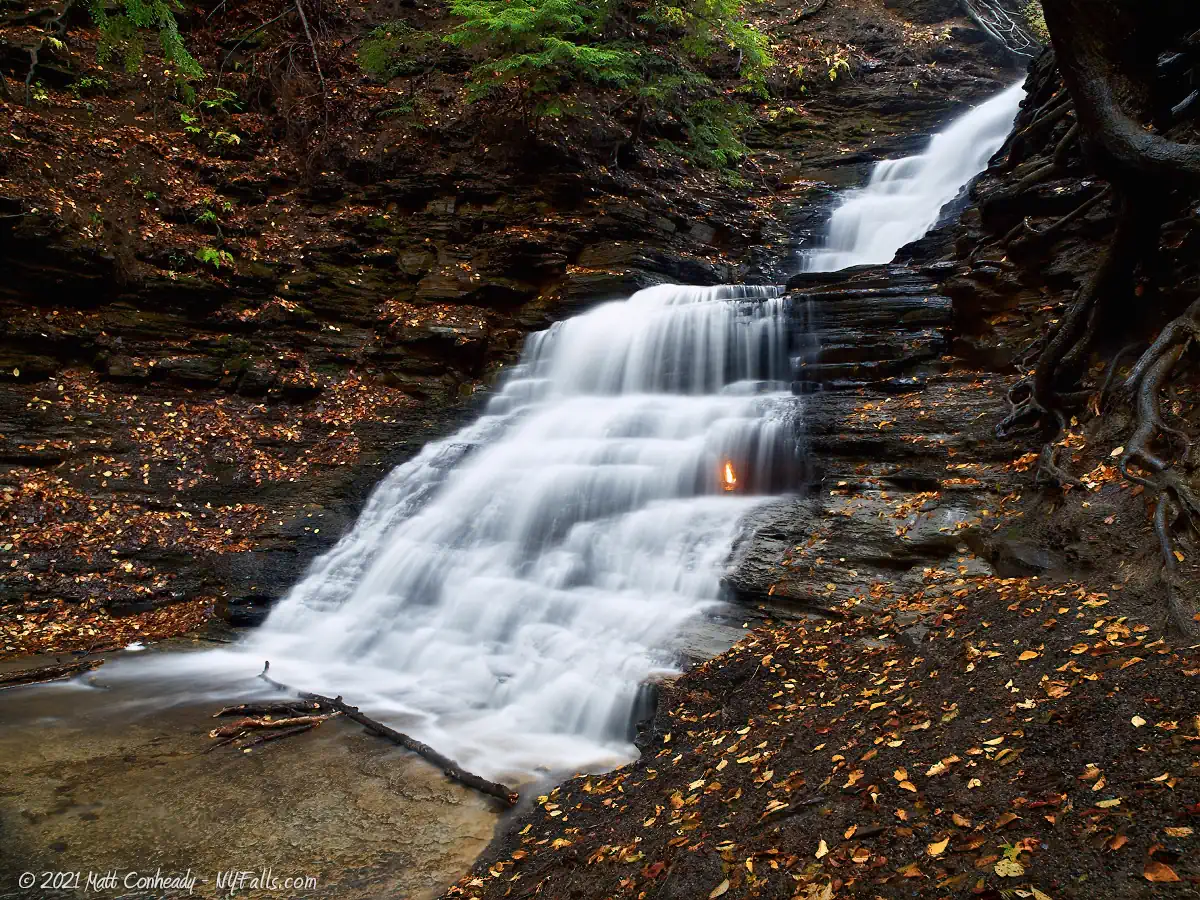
(730, 479)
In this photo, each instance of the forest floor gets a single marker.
(1034, 735)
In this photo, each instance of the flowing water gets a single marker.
(904, 197)
(504, 594)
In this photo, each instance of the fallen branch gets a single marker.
(44, 674)
(448, 766)
(277, 735)
(294, 708)
(234, 729)
(312, 44)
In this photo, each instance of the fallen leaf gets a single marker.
(1008, 868)
(719, 890)
(1182, 831)
(961, 821)
(1156, 871)
(1028, 655)
(822, 850)
(1138, 721)
(938, 847)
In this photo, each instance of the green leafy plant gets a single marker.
(392, 50)
(837, 64)
(39, 93)
(207, 217)
(221, 100)
(211, 256)
(190, 121)
(89, 85)
(123, 26)
(1036, 17)
(556, 57)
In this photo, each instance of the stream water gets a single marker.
(504, 594)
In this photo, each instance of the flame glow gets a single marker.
(730, 477)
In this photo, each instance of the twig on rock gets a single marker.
(44, 674)
(448, 766)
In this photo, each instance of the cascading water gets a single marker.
(904, 197)
(504, 594)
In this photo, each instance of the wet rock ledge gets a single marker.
(889, 423)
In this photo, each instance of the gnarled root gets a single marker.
(1048, 472)
(1176, 498)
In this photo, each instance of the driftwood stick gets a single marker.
(236, 728)
(277, 735)
(293, 708)
(43, 674)
(448, 766)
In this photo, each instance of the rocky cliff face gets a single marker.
(179, 435)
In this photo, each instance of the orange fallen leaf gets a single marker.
(1158, 872)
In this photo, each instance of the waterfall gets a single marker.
(903, 198)
(504, 594)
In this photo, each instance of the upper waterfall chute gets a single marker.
(904, 197)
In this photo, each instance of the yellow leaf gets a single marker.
(908, 786)
(938, 847)
(1179, 556)
(719, 890)
(1182, 831)
(900, 774)
(1117, 452)
(1109, 804)
(974, 783)
(1028, 655)
(1137, 721)
(850, 832)
(1007, 868)
(559, 843)
(961, 821)
(822, 849)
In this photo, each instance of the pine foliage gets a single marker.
(551, 57)
(124, 26)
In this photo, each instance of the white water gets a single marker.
(503, 594)
(903, 198)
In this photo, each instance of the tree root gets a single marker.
(810, 12)
(1048, 472)
(1176, 497)
(1034, 235)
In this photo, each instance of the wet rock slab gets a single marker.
(126, 785)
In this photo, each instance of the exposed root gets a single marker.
(1058, 225)
(1049, 474)
(1176, 496)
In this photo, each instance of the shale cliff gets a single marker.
(182, 433)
